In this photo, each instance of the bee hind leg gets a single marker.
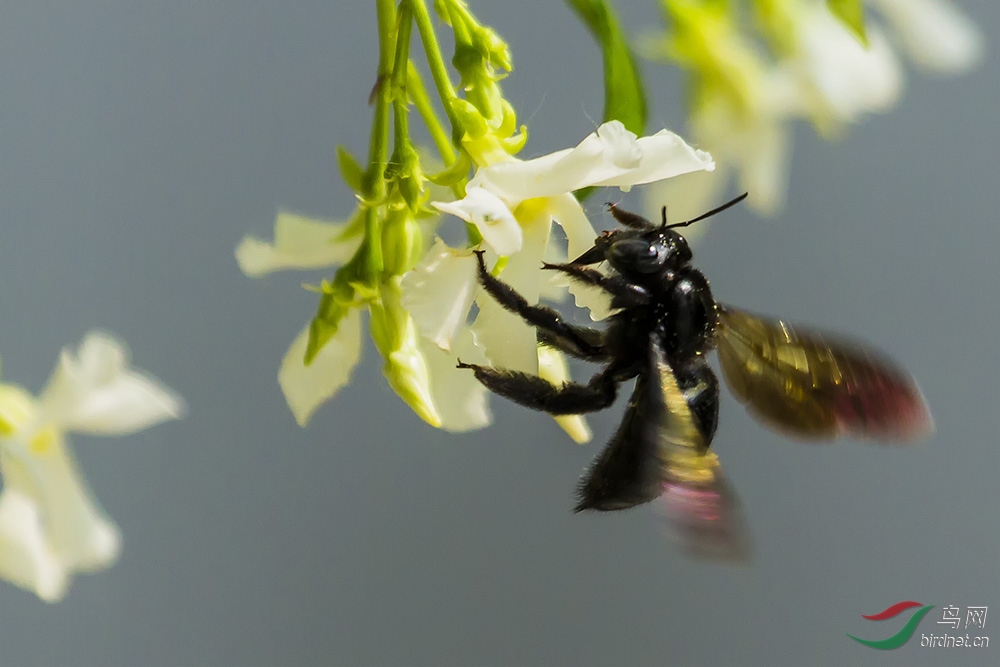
(533, 392)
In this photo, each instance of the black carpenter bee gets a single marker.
(664, 322)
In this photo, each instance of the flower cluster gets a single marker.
(817, 60)
(512, 205)
(803, 59)
(417, 291)
(50, 526)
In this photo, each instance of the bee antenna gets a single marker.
(718, 209)
(663, 225)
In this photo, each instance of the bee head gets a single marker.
(641, 249)
(637, 254)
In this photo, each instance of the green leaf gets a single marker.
(624, 96)
(458, 170)
(852, 14)
(350, 170)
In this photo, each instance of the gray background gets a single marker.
(140, 141)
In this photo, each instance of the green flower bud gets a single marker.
(397, 340)
(402, 241)
(496, 49)
(469, 117)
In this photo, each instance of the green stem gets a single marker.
(401, 129)
(426, 110)
(378, 147)
(435, 61)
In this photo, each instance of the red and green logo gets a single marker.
(905, 633)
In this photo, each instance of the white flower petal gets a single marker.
(553, 284)
(461, 400)
(25, 557)
(664, 155)
(610, 156)
(308, 387)
(935, 33)
(299, 243)
(439, 292)
(594, 299)
(95, 392)
(552, 367)
(568, 214)
(580, 236)
(78, 532)
(490, 215)
(507, 340)
(848, 79)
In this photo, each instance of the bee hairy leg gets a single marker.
(596, 352)
(578, 341)
(624, 294)
(533, 392)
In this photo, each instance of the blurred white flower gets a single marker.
(935, 34)
(814, 68)
(50, 525)
(838, 78)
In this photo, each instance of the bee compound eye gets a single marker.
(638, 255)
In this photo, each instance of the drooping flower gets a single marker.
(50, 525)
(439, 392)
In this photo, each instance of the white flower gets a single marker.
(439, 292)
(535, 193)
(513, 203)
(299, 243)
(611, 156)
(50, 526)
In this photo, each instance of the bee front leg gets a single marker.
(533, 392)
(623, 293)
(576, 340)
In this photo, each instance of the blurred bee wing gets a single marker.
(814, 385)
(706, 519)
